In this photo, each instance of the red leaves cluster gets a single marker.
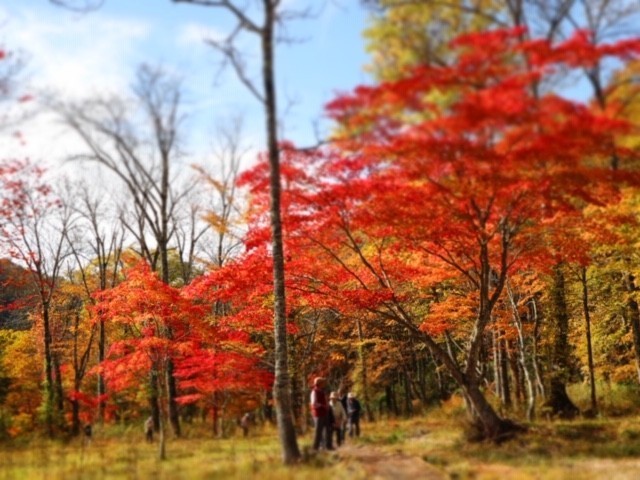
(436, 170)
(162, 324)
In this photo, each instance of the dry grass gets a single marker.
(116, 454)
(582, 449)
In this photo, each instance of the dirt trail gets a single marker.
(381, 465)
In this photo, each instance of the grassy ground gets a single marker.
(116, 454)
(577, 450)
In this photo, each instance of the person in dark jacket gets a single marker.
(353, 415)
(320, 411)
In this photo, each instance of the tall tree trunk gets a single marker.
(505, 393)
(522, 358)
(75, 417)
(59, 390)
(282, 382)
(300, 403)
(587, 319)
(101, 354)
(49, 394)
(362, 357)
(480, 410)
(518, 383)
(406, 382)
(421, 374)
(633, 315)
(496, 365)
(390, 401)
(215, 416)
(154, 403)
(533, 309)
(484, 416)
(442, 392)
(75, 409)
(559, 401)
(163, 416)
(172, 404)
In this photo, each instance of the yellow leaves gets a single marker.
(623, 101)
(219, 224)
(20, 363)
(408, 34)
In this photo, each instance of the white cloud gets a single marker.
(73, 57)
(77, 56)
(195, 34)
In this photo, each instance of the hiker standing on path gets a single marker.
(320, 412)
(339, 416)
(353, 413)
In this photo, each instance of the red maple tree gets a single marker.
(442, 184)
(161, 324)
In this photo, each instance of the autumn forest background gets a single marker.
(466, 235)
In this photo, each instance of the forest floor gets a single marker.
(430, 447)
(603, 449)
(379, 464)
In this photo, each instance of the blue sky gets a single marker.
(79, 55)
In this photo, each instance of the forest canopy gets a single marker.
(467, 229)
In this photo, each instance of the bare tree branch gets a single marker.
(80, 6)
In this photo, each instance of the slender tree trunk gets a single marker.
(518, 383)
(422, 367)
(174, 413)
(406, 381)
(442, 392)
(390, 400)
(101, 384)
(496, 366)
(215, 417)
(163, 417)
(522, 358)
(534, 349)
(154, 403)
(633, 315)
(362, 356)
(282, 382)
(301, 405)
(48, 370)
(505, 393)
(77, 379)
(59, 390)
(587, 319)
(559, 400)
(530, 389)
(75, 418)
(75, 409)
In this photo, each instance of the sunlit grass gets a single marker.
(580, 449)
(585, 449)
(114, 454)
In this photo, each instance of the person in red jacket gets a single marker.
(320, 412)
